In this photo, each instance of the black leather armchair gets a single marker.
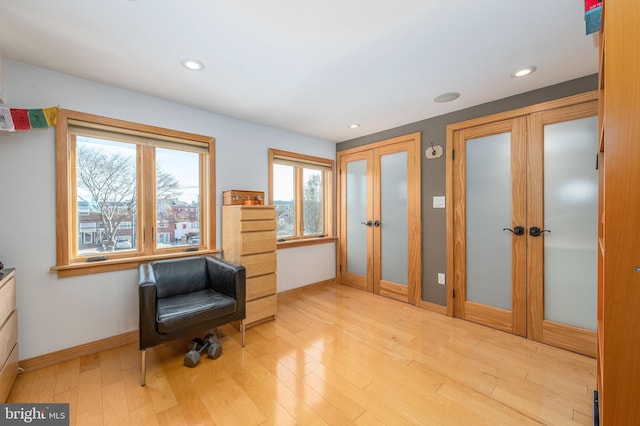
(178, 297)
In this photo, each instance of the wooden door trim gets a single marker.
(524, 111)
(574, 107)
(399, 139)
(411, 143)
(450, 161)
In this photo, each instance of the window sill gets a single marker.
(110, 265)
(305, 242)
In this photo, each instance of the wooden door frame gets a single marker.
(451, 129)
(414, 205)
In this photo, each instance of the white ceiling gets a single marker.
(312, 67)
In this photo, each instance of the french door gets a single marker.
(525, 225)
(379, 218)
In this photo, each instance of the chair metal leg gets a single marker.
(243, 328)
(143, 367)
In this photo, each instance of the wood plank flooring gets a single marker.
(334, 356)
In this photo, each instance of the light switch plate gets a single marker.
(438, 202)
(441, 278)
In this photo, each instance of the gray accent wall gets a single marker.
(433, 130)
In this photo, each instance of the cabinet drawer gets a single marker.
(257, 213)
(7, 299)
(258, 225)
(259, 309)
(8, 374)
(8, 336)
(259, 264)
(260, 286)
(258, 242)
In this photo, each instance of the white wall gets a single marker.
(1, 82)
(57, 313)
(312, 264)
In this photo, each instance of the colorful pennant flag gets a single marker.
(6, 122)
(37, 119)
(20, 119)
(16, 119)
(51, 114)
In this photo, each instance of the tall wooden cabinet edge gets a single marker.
(8, 332)
(249, 239)
(618, 369)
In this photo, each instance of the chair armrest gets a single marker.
(227, 278)
(147, 295)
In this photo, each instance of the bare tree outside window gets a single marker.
(107, 185)
(313, 196)
(301, 189)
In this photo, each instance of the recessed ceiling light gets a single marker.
(446, 97)
(523, 72)
(354, 126)
(192, 64)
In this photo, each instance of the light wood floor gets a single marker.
(334, 356)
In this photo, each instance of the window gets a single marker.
(132, 188)
(301, 189)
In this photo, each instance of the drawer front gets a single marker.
(258, 225)
(259, 264)
(261, 308)
(7, 299)
(258, 213)
(8, 336)
(263, 285)
(258, 242)
(8, 374)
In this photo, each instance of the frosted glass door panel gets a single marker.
(570, 212)
(357, 213)
(394, 215)
(488, 211)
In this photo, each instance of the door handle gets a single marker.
(377, 223)
(534, 231)
(367, 223)
(517, 230)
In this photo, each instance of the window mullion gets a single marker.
(147, 195)
(299, 201)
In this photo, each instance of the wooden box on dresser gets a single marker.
(619, 205)
(249, 239)
(8, 332)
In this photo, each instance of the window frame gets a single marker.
(68, 263)
(298, 161)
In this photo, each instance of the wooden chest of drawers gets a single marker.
(8, 332)
(249, 239)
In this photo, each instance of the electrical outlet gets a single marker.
(441, 278)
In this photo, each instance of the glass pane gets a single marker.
(313, 196)
(357, 213)
(395, 219)
(488, 193)
(571, 213)
(283, 196)
(106, 196)
(177, 198)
